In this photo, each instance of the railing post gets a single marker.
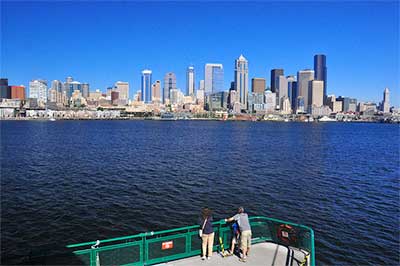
(188, 246)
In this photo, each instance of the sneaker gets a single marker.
(203, 258)
(242, 259)
(208, 258)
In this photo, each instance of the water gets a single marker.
(75, 181)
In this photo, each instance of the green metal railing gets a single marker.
(167, 245)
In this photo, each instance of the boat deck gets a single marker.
(263, 254)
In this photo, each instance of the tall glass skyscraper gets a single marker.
(303, 86)
(275, 73)
(146, 86)
(190, 83)
(242, 80)
(169, 84)
(321, 70)
(213, 78)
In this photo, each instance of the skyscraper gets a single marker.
(321, 71)
(190, 82)
(303, 84)
(122, 87)
(258, 85)
(85, 90)
(317, 93)
(38, 90)
(169, 84)
(275, 73)
(4, 89)
(292, 90)
(146, 86)
(56, 85)
(386, 101)
(242, 80)
(281, 89)
(156, 91)
(213, 78)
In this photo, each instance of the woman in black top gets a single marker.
(207, 237)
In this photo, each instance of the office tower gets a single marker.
(122, 87)
(292, 90)
(114, 97)
(258, 85)
(176, 96)
(281, 89)
(169, 84)
(200, 96)
(270, 101)
(317, 93)
(335, 106)
(213, 78)
(300, 105)
(57, 85)
(38, 90)
(146, 86)
(386, 101)
(242, 80)
(217, 101)
(156, 91)
(18, 92)
(303, 79)
(275, 73)
(285, 106)
(321, 71)
(5, 91)
(85, 90)
(52, 95)
(190, 82)
(201, 85)
(349, 105)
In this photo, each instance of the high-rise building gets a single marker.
(70, 86)
(217, 101)
(349, 105)
(303, 85)
(146, 86)
(242, 80)
(281, 89)
(285, 106)
(270, 101)
(190, 81)
(156, 91)
(122, 87)
(57, 85)
(169, 84)
(321, 71)
(292, 90)
(386, 101)
(85, 90)
(213, 78)
(38, 90)
(317, 93)
(5, 91)
(258, 85)
(18, 92)
(275, 73)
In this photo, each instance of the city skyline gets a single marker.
(351, 64)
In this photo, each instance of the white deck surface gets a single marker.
(263, 254)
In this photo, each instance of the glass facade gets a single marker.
(146, 86)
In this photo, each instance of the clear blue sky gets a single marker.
(102, 43)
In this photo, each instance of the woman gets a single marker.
(207, 236)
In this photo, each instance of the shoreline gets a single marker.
(196, 119)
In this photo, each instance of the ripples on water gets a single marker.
(75, 181)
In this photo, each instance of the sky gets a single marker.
(104, 42)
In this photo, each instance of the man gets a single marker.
(245, 231)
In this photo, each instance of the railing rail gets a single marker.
(156, 247)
